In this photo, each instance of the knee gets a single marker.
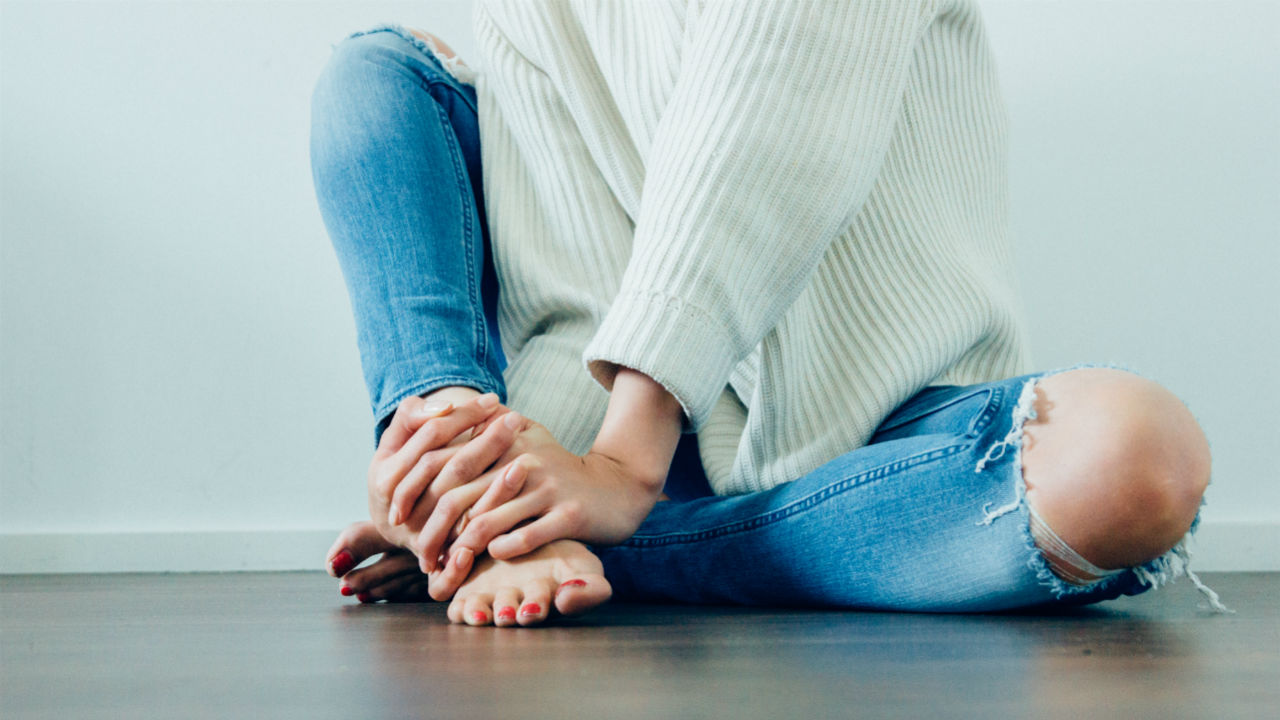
(434, 42)
(1115, 464)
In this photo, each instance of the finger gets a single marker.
(501, 412)
(416, 480)
(555, 525)
(357, 543)
(502, 490)
(483, 529)
(390, 566)
(409, 416)
(445, 583)
(478, 455)
(430, 542)
(434, 434)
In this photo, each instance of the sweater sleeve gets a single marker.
(769, 145)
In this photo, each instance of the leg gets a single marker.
(1115, 464)
(395, 158)
(899, 524)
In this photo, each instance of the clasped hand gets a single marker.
(507, 487)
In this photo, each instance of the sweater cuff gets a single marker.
(675, 343)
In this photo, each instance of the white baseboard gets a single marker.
(165, 551)
(1217, 546)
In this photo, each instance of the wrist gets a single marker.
(641, 428)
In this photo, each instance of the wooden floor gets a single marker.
(263, 645)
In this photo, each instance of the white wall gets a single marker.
(179, 381)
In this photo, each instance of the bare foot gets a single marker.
(393, 577)
(562, 576)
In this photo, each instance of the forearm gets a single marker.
(641, 428)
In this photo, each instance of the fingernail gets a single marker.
(512, 420)
(507, 613)
(462, 558)
(435, 409)
(347, 590)
(393, 517)
(531, 609)
(510, 474)
(479, 616)
(573, 583)
(487, 400)
(364, 597)
(343, 563)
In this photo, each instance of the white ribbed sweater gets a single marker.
(790, 214)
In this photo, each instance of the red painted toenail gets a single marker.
(343, 563)
(574, 583)
(479, 616)
(347, 590)
(364, 597)
(507, 613)
(531, 609)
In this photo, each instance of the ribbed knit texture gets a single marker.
(791, 214)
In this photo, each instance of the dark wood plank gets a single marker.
(286, 645)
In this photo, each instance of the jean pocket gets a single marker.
(941, 409)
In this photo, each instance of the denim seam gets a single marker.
(988, 413)
(801, 505)
(479, 329)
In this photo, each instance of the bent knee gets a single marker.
(1115, 464)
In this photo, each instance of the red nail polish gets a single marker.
(573, 583)
(479, 616)
(347, 590)
(364, 597)
(343, 563)
(507, 613)
(531, 609)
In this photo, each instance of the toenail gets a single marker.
(343, 562)
(531, 609)
(507, 613)
(479, 616)
(364, 597)
(347, 590)
(573, 583)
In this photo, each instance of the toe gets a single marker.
(580, 593)
(388, 568)
(392, 588)
(506, 603)
(359, 542)
(456, 607)
(477, 609)
(536, 603)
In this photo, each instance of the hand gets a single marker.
(594, 498)
(423, 453)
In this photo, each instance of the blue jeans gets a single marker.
(929, 516)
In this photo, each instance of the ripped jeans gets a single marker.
(931, 515)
